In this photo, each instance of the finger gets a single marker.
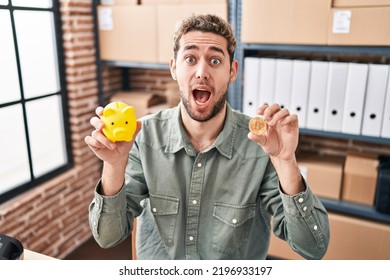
(103, 140)
(278, 116)
(259, 139)
(292, 119)
(93, 143)
(97, 123)
(99, 111)
(261, 109)
(270, 111)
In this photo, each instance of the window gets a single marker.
(34, 133)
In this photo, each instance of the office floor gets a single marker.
(90, 250)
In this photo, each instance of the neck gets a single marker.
(203, 134)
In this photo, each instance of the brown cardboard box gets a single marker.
(141, 101)
(365, 26)
(170, 15)
(203, 1)
(159, 2)
(360, 3)
(157, 108)
(163, 2)
(360, 175)
(285, 21)
(172, 93)
(128, 33)
(118, 2)
(323, 174)
(350, 239)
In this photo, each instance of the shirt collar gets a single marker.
(177, 137)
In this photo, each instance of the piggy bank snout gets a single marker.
(119, 132)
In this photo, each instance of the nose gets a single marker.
(202, 71)
(119, 133)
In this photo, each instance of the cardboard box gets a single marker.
(159, 2)
(360, 3)
(365, 26)
(351, 239)
(323, 174)
(170, 15)
(118, 2)
(128, 33)
(163, 2)
(285, 21)
(172, 93)
(360, 175)
(157, 108)
(204, 1)
(141, 101)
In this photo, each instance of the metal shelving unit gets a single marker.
(354, 209)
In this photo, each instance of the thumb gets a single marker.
(259, 139)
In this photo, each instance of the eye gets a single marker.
(112, 123)
(127, 122)
(215, 61)
(190, 59)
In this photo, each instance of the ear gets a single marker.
(108, 112)
(128, 111)
(172, 67)
(233, 71)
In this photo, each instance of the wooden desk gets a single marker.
(30, 255)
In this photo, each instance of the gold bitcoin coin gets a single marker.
(257, 125)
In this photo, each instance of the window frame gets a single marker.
(35, 181)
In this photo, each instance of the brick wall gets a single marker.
(52, 218)
(340, 147)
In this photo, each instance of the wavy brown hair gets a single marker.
(206, 23)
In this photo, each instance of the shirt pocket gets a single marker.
(165, 210)
(231, 227)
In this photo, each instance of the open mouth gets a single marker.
(201, 96)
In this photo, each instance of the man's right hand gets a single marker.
(114, 155)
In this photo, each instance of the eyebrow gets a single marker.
(192, 47)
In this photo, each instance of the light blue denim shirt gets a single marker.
(216, 204)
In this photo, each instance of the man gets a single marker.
(212, 185)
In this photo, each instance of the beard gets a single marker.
(203, 117)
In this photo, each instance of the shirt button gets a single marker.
(234, 221)
(300, 200)
(199, 164)
(154, 210)
(194, 202)
(315, 227)
(191, 238)
(304, 208)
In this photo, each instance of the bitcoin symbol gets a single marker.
(257, 125)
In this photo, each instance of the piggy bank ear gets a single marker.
(108, 112)
(128, 111)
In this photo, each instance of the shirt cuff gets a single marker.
(299, 204)
(109, 204)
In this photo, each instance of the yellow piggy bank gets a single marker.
(119, 121)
